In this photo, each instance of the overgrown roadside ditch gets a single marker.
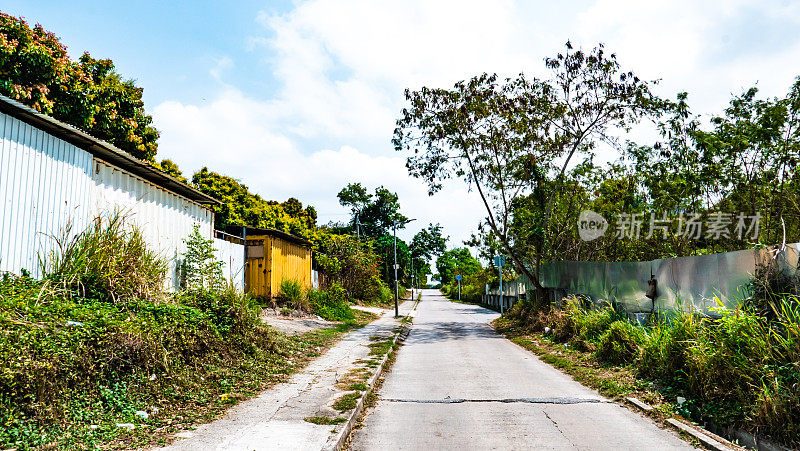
(621, 384)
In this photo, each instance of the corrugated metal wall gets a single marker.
(44, 184)
(290, 262)
(47, 184)
(699, 281)
(164, 218)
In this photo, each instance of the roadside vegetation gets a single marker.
(474, 277)
(740, 370)
(97, 353)
(528, 147)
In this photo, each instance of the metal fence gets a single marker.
(702, 283)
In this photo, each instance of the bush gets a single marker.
(591, 323)
(331, 304)
(665, 347)
(619, 344)
(740, 370)
(292, 294)
(353, 265)
(74, 361)
(386, 296)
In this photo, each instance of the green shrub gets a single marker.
(665, 347)
(590, 324)
(620, 343)
(386, 296)
(292, 294)
(73, 361)
(739, 370)
(331, 304)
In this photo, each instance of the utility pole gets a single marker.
(412, 277)
(396, 283)
(501, 289)
(396, 287)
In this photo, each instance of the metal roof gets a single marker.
(103, 150)
(255, 231)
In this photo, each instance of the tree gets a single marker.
(201, 268)
(88, 94)
(513, 138)
(351, 263)
(456, 261)
(428, 242)
(384, 248)
(172, 169)
(376, 213)
(355, 196)
(241, 207)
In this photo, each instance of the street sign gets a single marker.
(500, 260)
(458, 277)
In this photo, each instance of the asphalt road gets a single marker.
(457, 384)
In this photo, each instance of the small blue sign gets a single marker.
(500, 260)
(458, 277)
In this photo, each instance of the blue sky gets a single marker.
(298, 98)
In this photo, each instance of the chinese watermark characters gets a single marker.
(692, 226)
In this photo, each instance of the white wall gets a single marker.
(46, 184)
(232, 255)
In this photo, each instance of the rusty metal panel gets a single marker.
(255, 251)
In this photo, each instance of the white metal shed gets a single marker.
(52, 174)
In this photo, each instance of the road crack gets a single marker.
(559, 429)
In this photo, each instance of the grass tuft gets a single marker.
(347, 401)
(325, 420)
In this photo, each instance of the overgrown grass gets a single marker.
(325, 420)
(292, 294)
(109, 260)
(91, 344)
(742, 370)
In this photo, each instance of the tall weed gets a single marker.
(109, 261)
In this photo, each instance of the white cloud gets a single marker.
(340, 68)
(705, 48)
(232, 135)
(222, 64)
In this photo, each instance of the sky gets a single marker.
(299, 98)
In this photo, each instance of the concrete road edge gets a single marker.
(337, 441)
